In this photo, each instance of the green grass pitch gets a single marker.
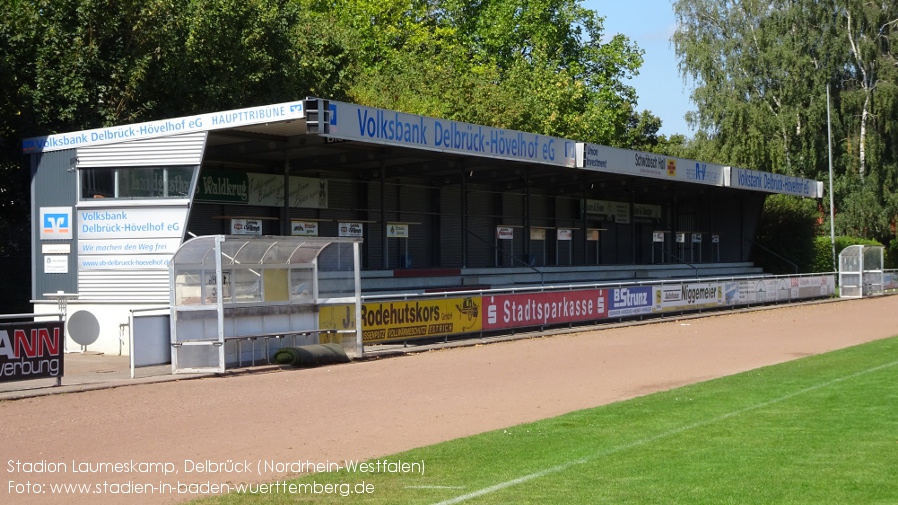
(818, 430)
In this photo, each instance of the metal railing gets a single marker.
(769, 251)
(511, 255)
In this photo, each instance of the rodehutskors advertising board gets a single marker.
(407, 320)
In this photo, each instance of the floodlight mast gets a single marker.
(832, 214)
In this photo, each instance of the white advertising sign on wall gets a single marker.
(350, 229)
(129, 246)
(246, 227)
(131, 222)
(129, 238)
(56, 248)
(397, 230)
(304, 228)
(56, 264)
(125, 262)
(504, 232)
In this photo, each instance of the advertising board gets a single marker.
(351, 230)
(31, 351)
(783, 289)
(757, 180)
(633, 301)
(619, 212)
(688, 296)
(130, 238)
(264, 190)
(531, 309)
(397, 230)
(406, 320)
(304, 228)
(624, 161)
(56, 264)
(165, 127)
(409, 319)
(355, 122)
(246, 227)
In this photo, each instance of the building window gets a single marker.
(134, 183)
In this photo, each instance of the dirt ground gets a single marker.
(374, 408)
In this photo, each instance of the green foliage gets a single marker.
(786, 231)
(823, 251)
(891, 260)
(538, 67)
(865, 210)
(761, 72)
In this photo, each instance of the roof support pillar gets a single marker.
(385, 242)
(464, 216)
(285, 224)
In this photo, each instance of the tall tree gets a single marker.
(761, 70)
(540, 66)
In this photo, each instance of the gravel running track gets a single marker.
(378, 407)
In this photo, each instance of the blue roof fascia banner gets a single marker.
(380, 126)
(743, 178)
(614, 160)
(165, 127)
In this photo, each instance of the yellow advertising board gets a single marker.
(406, 320)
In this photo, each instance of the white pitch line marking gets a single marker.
(434, 487)
(644, 441)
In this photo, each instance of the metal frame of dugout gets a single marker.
(861, 271)
(235, 300)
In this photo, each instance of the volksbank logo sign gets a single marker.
(56, 223)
